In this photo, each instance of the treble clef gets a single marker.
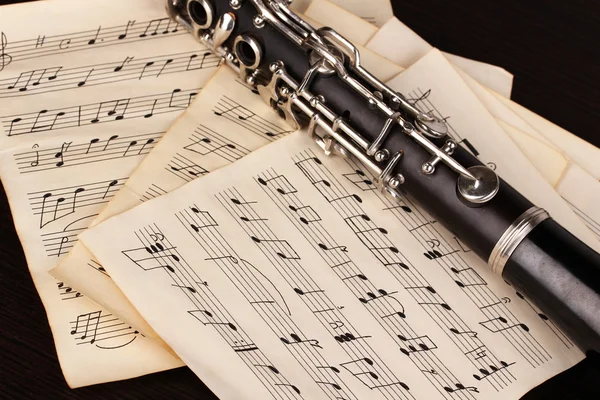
(5, 58)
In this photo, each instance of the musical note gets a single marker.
(468, 333)
(148, 64)
(88, 323)
(493, 370)
(156, 23)
(131, 144)
(37, 156)
(282, 248)
(67, 292)
(307, 214)
(93, 41)
(297, 340)
(283, 186)
(109, 187)
(151, 113)
(126, 61)
(492, 326)
(61, 153)
(5, 58)
(417, 344)
(167, 62)
(459, 387)
(62, 242)
(124, 34)
(359, 179)
(202, 219)
(12, 123)
(293, 387)
(375, 296)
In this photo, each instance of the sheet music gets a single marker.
(541, 141)
(413, 48)
(225, 123)
(82, 101)
(484, 138)
(302, 250)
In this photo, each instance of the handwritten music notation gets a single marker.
(376, 239)
(264, 297)
(102, 330)
(63, 213)
(233, 111)
(383, 305)
(365, 364)
(158, 254)
(451, 257)
(67, 292)
(98, 149)
(98, 113)
(49, 45)
(205, 141)
(55, 79)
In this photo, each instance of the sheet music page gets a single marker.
(578, 150)
(82, 101)
(370, 297)
(542, 142)
(412, 47)
(376, 12)
(226, 122)
(479, 132)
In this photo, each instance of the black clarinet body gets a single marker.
(519, 241)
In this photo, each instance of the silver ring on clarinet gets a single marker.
(514, 235)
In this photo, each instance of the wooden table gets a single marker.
(552, 49)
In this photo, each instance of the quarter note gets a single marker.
(83, 82)
(151, 113)
(93, 41)
(148, 64)
(109, 187)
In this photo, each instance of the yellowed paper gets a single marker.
(82, 101)
(376, 12)
(177, 160)
(298, 247)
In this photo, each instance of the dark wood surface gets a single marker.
(552, 49)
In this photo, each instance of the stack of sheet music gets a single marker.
(223, 241)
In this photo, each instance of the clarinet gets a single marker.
(313, 79)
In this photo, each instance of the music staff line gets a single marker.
(95, 150)
(233, 111)
(318, 302)
(592, 224)
(96, 113)
(452, 261)
(392, 317)
(49, 45)
(96, 328)
(250, 283)
(439, 250)
(157, 253)
(50, 80)
(375, 239)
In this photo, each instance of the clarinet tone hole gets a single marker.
(201, 13)
(248, 51)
